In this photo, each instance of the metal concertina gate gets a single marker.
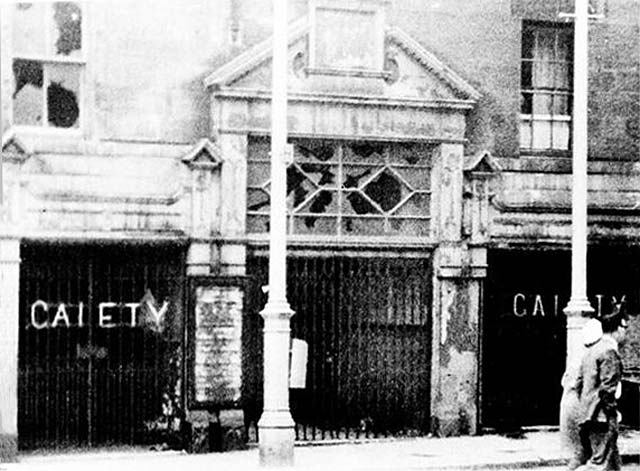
(99, 345)
(368, 325)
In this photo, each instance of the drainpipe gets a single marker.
(276, 426)
(579, 305)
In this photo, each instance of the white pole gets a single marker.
(579, 304)
(276, 426)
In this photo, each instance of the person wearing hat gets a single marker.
(570, 415)
(598, 385)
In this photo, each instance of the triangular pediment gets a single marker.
(410, 71)
(15, 147)
(482, 163)
(205, 154)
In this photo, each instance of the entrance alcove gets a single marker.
(377, 125)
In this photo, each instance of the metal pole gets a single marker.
(579, 304)
(276, 426)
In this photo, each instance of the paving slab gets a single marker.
(533, 450)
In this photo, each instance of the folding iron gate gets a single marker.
(100, 344)
(367, 322)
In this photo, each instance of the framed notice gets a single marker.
(215, 338)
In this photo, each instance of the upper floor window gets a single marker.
(345, 189)
(47, 64)
(546, 86)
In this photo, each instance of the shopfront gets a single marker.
(524, 330)
(100, 344)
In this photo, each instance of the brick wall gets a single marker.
(147, 60)
(481, 41)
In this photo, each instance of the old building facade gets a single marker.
(429, 192)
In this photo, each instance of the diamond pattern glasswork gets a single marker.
(345, 189)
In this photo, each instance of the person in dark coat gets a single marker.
(598, 385)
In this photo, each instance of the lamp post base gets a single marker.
(277, 436)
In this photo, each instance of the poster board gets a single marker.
(216, 310)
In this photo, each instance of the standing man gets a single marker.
(598, 386)
(570, 415)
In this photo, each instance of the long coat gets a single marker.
(570, 403)
(598, 378)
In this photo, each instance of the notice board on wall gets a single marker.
(216, 342)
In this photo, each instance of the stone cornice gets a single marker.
(549, 207)
(135, 237)
(371, 243)
(542, 164)
(344, 99)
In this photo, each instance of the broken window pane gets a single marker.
(345, 189)
(62, 95)
(66, 29)
(355, 202)
(28, 99)
(385, 190)
(28, 29)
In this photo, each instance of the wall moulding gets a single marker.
(343, 117)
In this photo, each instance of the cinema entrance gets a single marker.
(100, 343)
(524, 330)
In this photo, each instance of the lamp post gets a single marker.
(276, 426)
(579, 305)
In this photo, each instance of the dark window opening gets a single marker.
(26, 73)
(68, 18)
(62, 105)
(47, 90)
(28, 94)
(386, 191)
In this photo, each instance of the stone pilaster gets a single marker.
(9, 315)
(458, 273)
(217, 251)
(446, 184)
(234, 203)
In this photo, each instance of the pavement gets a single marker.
(539, 450)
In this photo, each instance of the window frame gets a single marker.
(46, 61)
(341, 162)
(529, 119)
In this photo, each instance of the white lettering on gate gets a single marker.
(104, 317)
(45, 307)
(65, 315)
(80, 314)
(615, 302)
(518, 296)
(599, 298)
(537, 303)
(134, 308)
(61, 314)
(158, 314)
